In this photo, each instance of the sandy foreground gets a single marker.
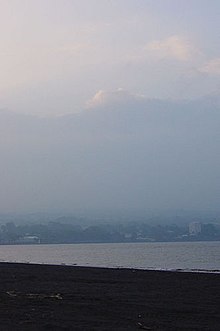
(42, 297)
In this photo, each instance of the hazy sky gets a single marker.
(141, 79)
(55, 55)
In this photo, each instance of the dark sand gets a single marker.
(40, 297)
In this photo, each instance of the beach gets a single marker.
(48, 297)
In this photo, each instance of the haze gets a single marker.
(109, 105)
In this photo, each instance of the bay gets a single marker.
(191, 256)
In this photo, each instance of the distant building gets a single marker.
(195, 228)
(28, 240)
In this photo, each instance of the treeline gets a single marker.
(55, 233)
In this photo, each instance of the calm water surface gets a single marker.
(197, 255)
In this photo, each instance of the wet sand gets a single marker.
(42, 297)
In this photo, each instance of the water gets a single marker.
(203, 256)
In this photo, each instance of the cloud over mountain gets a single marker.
(211, 67)
(117, 97)
(174, 47)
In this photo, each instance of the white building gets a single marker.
(195, 228)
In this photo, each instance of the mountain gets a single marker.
(124, 153)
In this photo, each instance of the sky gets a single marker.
(109, 105)
(55, 55)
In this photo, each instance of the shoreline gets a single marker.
(178, 270)
(59, 297)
